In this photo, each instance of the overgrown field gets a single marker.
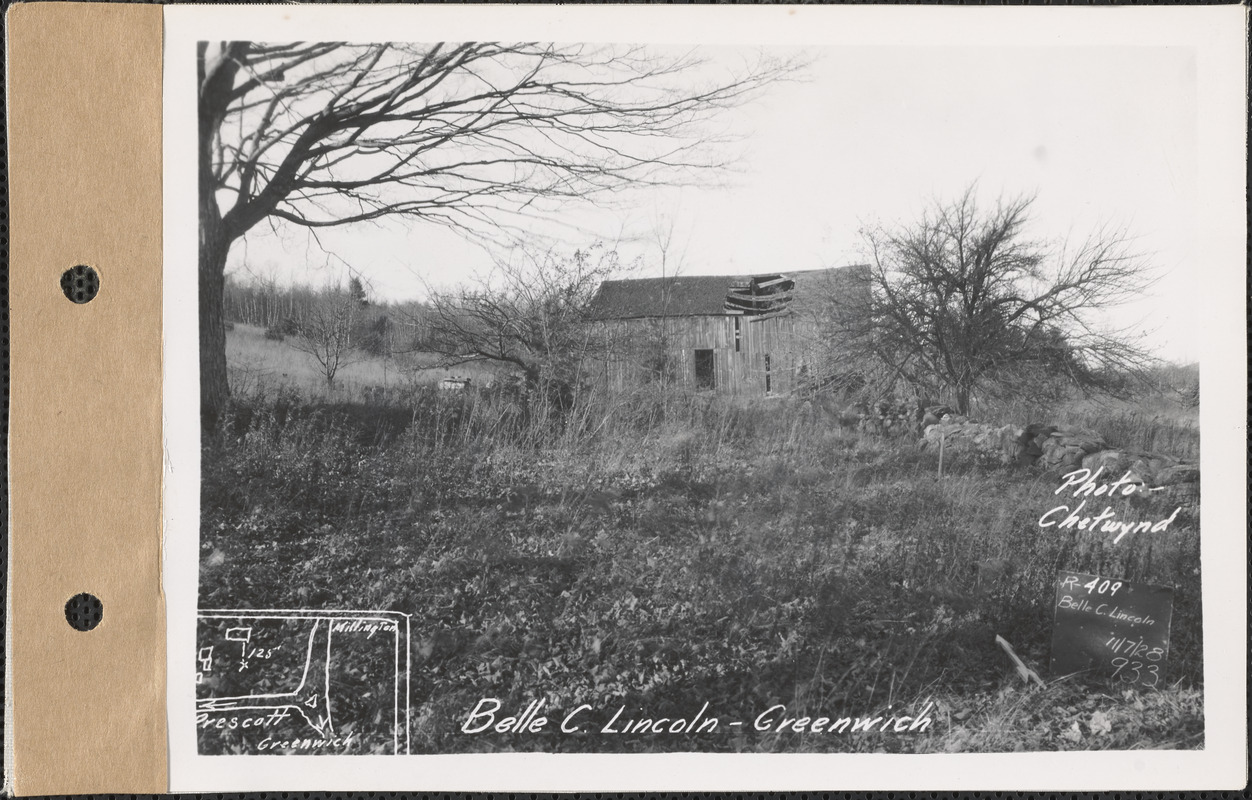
(263, 366)
(671, 550)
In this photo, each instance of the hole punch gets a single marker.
(84, 611)
(80, 284)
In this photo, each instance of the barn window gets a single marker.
(706, 374)
(767, 384)
(736, 334)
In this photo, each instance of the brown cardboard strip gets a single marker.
(85, 424)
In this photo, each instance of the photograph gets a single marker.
(609, 395)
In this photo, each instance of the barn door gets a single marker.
(706, 371)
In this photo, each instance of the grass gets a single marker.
(261, 366)
(666, 549)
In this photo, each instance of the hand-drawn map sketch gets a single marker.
(306, 682)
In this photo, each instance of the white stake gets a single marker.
(1026, 672)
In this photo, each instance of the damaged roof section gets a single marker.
(755, 296)
(764, 296)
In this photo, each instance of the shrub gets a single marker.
(282, 329)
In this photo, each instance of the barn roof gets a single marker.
(701, 295)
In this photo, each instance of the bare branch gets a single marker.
(530, 314)
(963, 305)
(324, 331)
(413, 130)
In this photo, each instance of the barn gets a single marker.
(731, 334)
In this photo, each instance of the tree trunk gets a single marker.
(216, 80)
(214, 385)
(962, 400)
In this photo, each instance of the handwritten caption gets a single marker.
(1112, 627)
(485, 717)
(1082, 483)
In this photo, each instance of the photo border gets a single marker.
(1216, 33)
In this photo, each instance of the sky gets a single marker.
(1100, 136)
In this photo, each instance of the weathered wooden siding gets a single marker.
(635, 344)
(634, 339)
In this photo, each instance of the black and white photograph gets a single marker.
(605, 395)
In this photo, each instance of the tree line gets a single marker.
(378, 327)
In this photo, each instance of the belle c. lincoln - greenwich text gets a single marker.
(484, 719)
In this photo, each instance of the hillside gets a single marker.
(260, 364)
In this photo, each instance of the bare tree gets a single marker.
(473, 135)
(325, 331)
(658, 355)
(962, 304)
(531, 314)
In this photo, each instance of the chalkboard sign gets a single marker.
(1111, 627)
